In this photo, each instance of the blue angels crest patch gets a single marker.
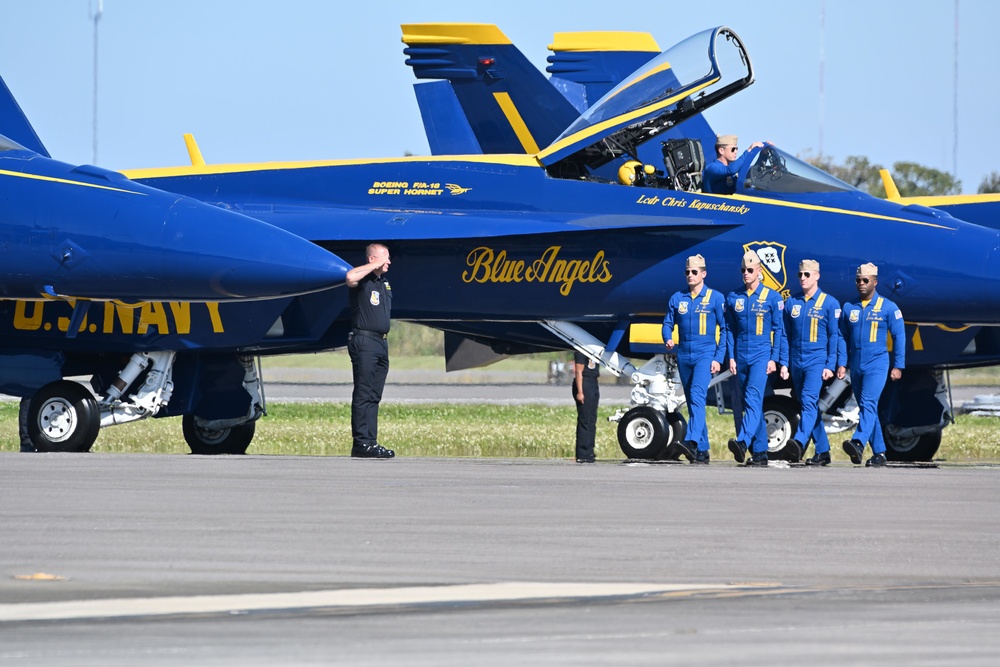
(682, 307)
(772, 261)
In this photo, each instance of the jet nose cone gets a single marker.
(227, 255)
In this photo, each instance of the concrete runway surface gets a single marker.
(159, 560)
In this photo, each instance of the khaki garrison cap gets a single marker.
(750, 258)
(695, 262)
(868, 269)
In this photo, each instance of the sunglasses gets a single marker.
(692, 272)
(749, 270)
(861, 280)
(805, 274)
(733, 149)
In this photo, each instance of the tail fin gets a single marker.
(506, 103)
(14, 124)
(586, 65)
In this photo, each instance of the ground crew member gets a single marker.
(811, 352)
(371, 305)
(699, 314)
(753, 343)
(866, 327)
(720, 175)
(587, 395)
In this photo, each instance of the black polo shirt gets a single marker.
(371, 303)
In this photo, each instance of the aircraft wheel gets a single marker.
(919, 448)
(781, 415)
(63, 417)
(644, 432)
(233, 440)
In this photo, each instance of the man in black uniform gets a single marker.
(587, 394)
(371, 304)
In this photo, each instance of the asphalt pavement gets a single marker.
(111, 559)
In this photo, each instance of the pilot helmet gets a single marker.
(627, 172)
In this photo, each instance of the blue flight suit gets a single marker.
(720, 179)
(753, 338)
(701, 335)
(865, 328)
(810, 344)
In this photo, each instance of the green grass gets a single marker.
(524, 431)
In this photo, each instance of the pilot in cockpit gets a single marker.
(720, 174)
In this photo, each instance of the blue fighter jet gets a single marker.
(99, 252)
(583, 67)
(529, 251)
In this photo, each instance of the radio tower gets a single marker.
(97, 19)
(954, 146)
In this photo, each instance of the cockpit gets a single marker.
(652, 118)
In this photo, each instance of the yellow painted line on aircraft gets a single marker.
(951, 200)
(609, 40)
(513, 160)
(516, 122)
(453, 33)
(600, 127)
(825, 209)
(358, 598)
(52, 179)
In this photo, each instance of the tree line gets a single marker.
(912, 179)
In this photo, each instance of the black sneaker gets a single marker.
(586, 459)
(819, 459)
(757, 460)
(792, 451)
(854, 449)
(876, 461)
(371, 450)
(701, 457)
(738, 449)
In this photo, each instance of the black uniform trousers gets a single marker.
(370, 363)
(586, 416)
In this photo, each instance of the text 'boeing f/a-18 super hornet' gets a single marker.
(102, 275)
(484, 96)
(548, 250)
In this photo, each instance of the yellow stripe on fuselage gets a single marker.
(52, 179)
(516, 122)
(824, 209)
(511, 160)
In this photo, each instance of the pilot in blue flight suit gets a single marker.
(699, 314)
(866, 326)
(812, 350)
(720, 174)
(753, 341)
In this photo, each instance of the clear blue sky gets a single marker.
(317, 79)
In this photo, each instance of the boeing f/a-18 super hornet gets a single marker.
(548, 250)
(87, 254)
(507, 106)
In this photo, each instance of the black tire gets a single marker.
(63, 417)
(919, 448)
(643, 433)
(233, 440)
(781, 414)
(677, 427)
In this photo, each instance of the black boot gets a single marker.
(819, 459)
(738, 449)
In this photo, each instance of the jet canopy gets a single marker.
(10, 145)
(775, 171)
(685, 80)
